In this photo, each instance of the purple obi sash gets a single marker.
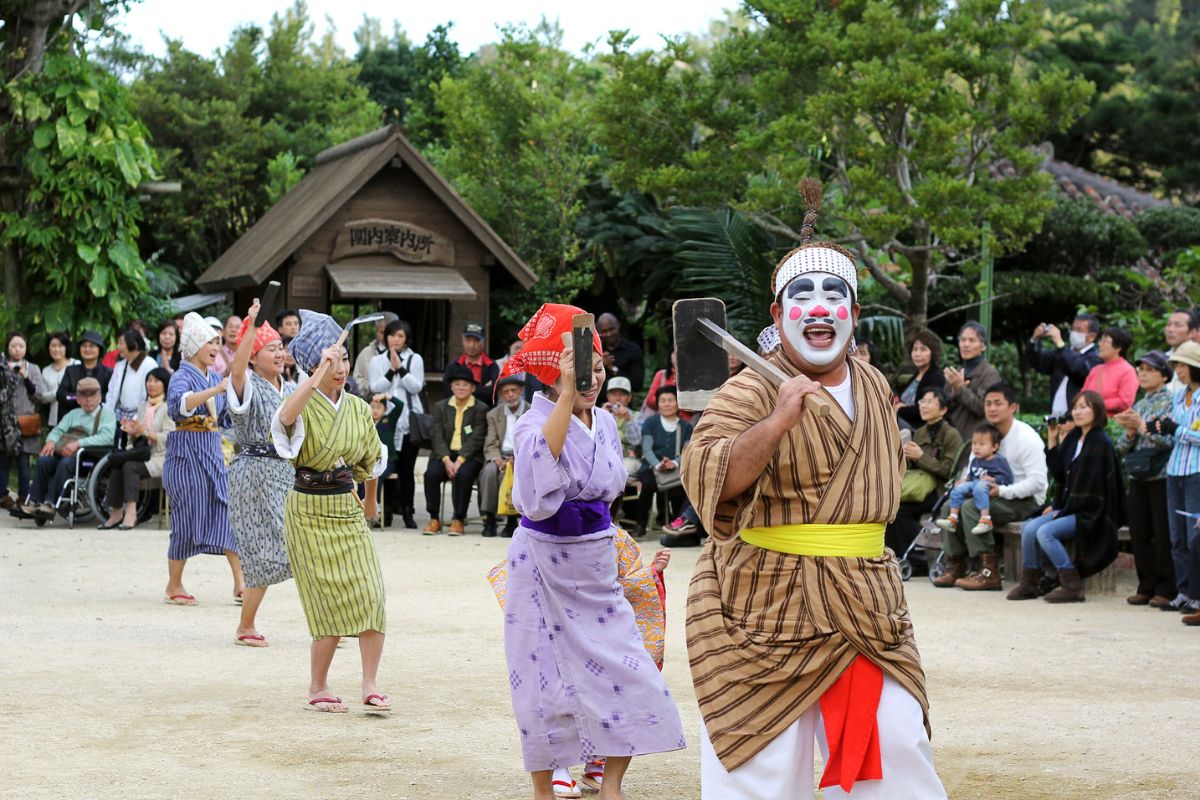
(573, 518)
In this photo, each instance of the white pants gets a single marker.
(783, 770)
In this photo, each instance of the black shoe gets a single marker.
(409, 521)
(489, 529)
(679, 540)
(510, 528)
(637, 530)
(387, 518)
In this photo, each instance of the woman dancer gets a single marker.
(589, 689)
(258, 478)
(329, 436)
(148, 432)
(194, 473)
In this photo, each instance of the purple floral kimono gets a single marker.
(582, 683)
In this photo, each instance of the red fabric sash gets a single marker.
(850, 711)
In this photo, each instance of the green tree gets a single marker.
(517, 149)
(240, 129)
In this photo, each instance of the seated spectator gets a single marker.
(663, 438)
(89, 367)
(663, 377)
(459, 430)
(984, 470)
(1087, 506)
(622, 358)
(362, 364)
(1149, 529)
(147, 433)
(925, 354)
(89, 425)
(287, 322)
(1114, 379)
(127, 388)
(967, 385)
(865, 351)
(931, 456)
(483, 369)
(25, 401)
(498, 451)
(1022, 448)
(1067, 365)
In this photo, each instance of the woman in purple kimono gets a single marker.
(583, 685)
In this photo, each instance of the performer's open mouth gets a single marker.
(819, 336)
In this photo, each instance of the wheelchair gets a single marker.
(95, 493)
(73, 503)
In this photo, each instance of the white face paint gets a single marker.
(818, 319)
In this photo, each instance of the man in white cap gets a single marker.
(797, 627)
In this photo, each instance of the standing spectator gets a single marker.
(1086, 508)
(498, 450)
(400, 374)
(1181, 325)
(968, 384)
(473, 358)
(664, 377)
(1149, 528)
(459, 430)
(1114, 379)
(865, 351)
(514, 347)
(110, 358)
(287, 322)
(384, 413)
(89, 367)
(292, 373)
(233, 324)
(127, 388)
(1183, 474)
(1022, 448)
(58, 347)
(10, 432)
(932, 452)
(89, 425)
(622, 358)
(25, 401)
(167, 353)
(1067, 365)
(148, 432)
(925, 354)
(362, 364)
(664, 436)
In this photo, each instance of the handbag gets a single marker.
(670, 478)
(73, 435)
(916, 485)
(504, 506)
(30, 424)
(420, 425)
(1147, 463)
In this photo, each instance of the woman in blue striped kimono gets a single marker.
(194, 473)
(330, 437)
(259, 479)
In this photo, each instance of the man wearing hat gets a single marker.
(90, 346)
(498, 450)
(88, 425)
(483, 369)
(456, 454)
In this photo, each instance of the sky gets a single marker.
(206, 26)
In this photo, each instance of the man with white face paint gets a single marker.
(797, 627)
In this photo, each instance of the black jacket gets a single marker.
(629, 362)
(1062, 363)
(72, 375)
(474, 431)
(1091, 488)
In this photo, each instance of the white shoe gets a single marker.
(981, 528)
(564, 785)
(947, 524)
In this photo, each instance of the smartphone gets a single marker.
(905, 436)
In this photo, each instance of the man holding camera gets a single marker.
(1067, 365)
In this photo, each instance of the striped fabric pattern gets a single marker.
(258, 488)
(769, 632)
(328, 542)
(194, 476)
(1185, 458)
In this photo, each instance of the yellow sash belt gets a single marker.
(861, 540)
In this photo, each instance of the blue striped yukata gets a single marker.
(194, 473)
(259, 481)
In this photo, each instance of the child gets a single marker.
(385, 413)
(985, 441)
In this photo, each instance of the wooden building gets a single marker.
(375, 227)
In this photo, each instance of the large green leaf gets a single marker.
(128, 164)
(99, 282)
(126, 258)
(89, 253)
(70, 137)
(43, 137)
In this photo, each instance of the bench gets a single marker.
(1103, 582)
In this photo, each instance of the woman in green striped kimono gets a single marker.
(330, 438)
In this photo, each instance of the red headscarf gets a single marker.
(266, 334)
(542, 343)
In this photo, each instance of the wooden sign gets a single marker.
(306, 286)
(404, 240)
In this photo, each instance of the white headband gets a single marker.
(817, 259)
(195, 334)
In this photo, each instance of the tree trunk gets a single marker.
(918, 287)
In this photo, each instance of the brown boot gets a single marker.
(955, 569)
(1027, 588)
(988, 577)
(1070, 588)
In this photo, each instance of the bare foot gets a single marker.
(325, 700)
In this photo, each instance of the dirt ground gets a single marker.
(110, 693)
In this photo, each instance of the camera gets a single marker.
(1061, 419)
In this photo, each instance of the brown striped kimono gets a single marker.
(769, 632)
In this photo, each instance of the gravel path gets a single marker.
(110, 693)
